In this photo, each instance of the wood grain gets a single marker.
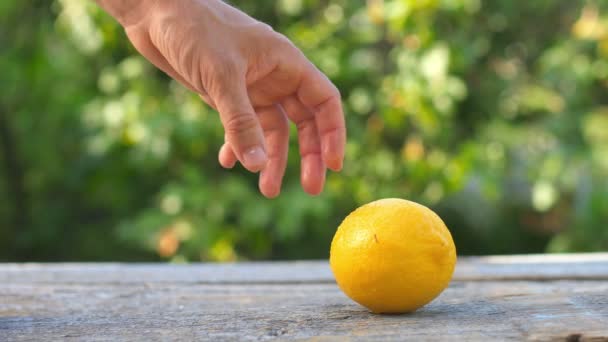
(298, 301)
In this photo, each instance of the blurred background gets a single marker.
(493, 113)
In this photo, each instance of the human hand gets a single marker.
(256, 79)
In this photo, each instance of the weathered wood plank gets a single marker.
(591, 266)
(488, 310)
(210, 273)
(492, 298)
(531, 267)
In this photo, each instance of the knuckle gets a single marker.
(306, 124)
(265, 27)
(222, 66)
(258, 33)
(239, 122)
(279, 126)
(274, 42)
(218, 75)
(284, 45)
(282, 41)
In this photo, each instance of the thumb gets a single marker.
(243, 130)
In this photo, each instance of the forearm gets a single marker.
(127, 12)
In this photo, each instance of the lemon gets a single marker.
(392, 256)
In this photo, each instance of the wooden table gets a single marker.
(491, 298)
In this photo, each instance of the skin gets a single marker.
(256, 78)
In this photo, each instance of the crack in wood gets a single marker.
(574, 337)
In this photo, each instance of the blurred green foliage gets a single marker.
(493, 113)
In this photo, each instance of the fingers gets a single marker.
(276, 131)
(318, 94)
(312, 171)
(241, 125)
(226, 157)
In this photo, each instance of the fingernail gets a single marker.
(332, 159)
(255, 157)
(338, 166)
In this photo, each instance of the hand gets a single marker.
(256, 79)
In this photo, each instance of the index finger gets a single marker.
(323, 99)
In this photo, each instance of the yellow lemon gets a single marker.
(392, 256)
